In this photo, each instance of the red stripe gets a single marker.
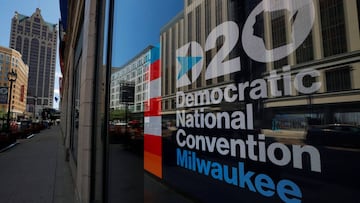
(155, 71)
(153, 164)
(152, 144)
(152, 107)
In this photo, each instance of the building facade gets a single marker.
(133, 72)
(328, 51)
(324, 44)
(10, 60)
(36, 40)
(244, 87)
(83, 94)
(194, 23)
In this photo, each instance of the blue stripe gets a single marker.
(187, 63)
(155, 54)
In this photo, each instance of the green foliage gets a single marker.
(117, 114)
(3, 114)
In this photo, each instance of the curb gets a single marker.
(30, 136)
(9, 147)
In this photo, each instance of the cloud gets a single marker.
(58, 74)
(56, 91)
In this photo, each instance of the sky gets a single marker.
(138, 24)
(50, 12)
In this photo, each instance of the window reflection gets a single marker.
(300, 90)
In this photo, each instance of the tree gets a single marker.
(117, 114)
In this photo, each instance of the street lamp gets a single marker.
(12, 76)
(35, 100)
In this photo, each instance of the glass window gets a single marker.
(75, 108)
(338, 79)
(278, 27)
(249, 92)
(333, 26)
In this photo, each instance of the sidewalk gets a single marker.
(35, 171)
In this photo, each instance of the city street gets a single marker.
(35, 170)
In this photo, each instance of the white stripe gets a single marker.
(152, 125)
(155, 88)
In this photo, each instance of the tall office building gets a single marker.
(36, 40)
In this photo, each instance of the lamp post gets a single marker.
(12, 76)
(35, 100)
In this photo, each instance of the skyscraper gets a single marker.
(36, 40)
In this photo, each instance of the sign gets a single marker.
(251, 137)
(127, 91)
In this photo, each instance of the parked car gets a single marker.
(341, 135)
(117, 132)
